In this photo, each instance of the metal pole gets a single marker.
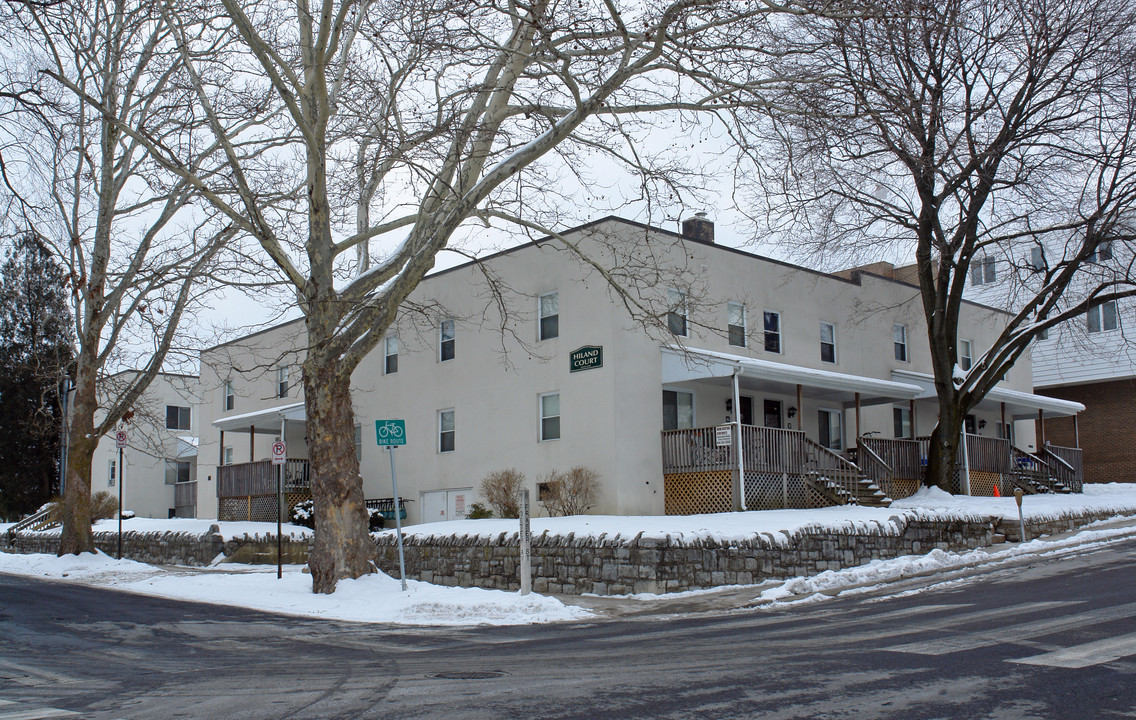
(526, 545)
(120, 474)
(280, 508)
(398, 521)
(738, 445)
(1021, 517)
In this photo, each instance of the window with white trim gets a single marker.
(177, 417)
(550, 416)
(446, 430)
(1037, 259)
(831, 432)
(827, 342)
(899, 340)
(676, 314)
(1101, 253)
(771, 322)
(177, 471)
(390, 355)
(966, 357)
(901, 419)
(678, 410)
(112, 467)
(549, 309)
(446, 332)
(359, 443)
(982, 271)
(228, 455)
(282, 382)
(1102, 318)
(736, 323)
(230, 397)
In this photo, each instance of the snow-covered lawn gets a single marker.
(379, 597)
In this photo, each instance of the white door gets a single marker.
(441, 505)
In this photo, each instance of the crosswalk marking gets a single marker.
(878, 633)
(1091, 653)
(8, 711)
(1009, 633)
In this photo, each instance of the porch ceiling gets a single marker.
(265, 421)
(686, 364)
(1019, 405)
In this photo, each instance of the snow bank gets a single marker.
(1119, 497)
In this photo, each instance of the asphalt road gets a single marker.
(1056, 639)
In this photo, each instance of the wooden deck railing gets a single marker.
(769, 450)
(1067, 464)
(987, 454)
(259, 478)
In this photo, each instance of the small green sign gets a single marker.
(586, 358)
(390, 432)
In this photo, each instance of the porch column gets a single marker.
(738, 440)
(252, 445)
(914, 431)
(221, 452)
(1002, 430)
(800, 409)
(857, 419)
(1076, 432)
(1041, 425)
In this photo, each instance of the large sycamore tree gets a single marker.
(969, 132)
(394, 123)
(134, 249)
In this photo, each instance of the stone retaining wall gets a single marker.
(604, 566)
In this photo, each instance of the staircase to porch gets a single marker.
(839, 480)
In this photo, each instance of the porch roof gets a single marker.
(685, 364)
(265, 421)
(1019, 405)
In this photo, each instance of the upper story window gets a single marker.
(177, 471)
(1102, 318)
(390, 355)
(446, 430)
(676, 314)
(230, 397)
(550, 416)
(736, 323)
(1101, 253)
(111, 473)
(177, 417)
(282, 382)
(899, 339)
(549, 306)
(966, 357)
(772, 324)
(359, 443)
(1037, 259)
(982, 270)
(227, 456)
(446, 340)
(827, 342)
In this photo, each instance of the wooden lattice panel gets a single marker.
(982, 483)
(903, 487)
(259, 508)
(694, 493)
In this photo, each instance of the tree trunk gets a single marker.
(343, 547)
(942, 457)
(76, 537)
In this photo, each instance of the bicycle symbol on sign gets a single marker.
(390, 429)
(390, 432)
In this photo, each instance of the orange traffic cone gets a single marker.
(996, 493)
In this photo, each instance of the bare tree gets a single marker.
(393, 124)
(134, 248)
(962, 130)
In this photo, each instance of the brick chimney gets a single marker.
(698, 228)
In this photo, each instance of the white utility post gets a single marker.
(526, 545)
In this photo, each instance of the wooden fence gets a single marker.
(259, 478)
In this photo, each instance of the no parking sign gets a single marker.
(279, 452)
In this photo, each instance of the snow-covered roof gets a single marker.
(1019, 405)
(684, 364)
(264, 421)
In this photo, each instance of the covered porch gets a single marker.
(247, 491)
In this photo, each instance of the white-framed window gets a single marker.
(1102, 318)
(550, 416)
(966, 354)
(230, 397)
(899, 339)
(830, 424)
(678, 410)
(827, 342)
(282, 382)
(771, 323)
(446, 430)
(736, 323)
(177, 417)
(359, 443)
(676, 313)
(1101, 253)
(227, 454)
(390, 355)
(1043, 334)
(177, 471)
(446, 350)
(982, 270)
(1037, 259)
(548, 306)
(901, 418)
(112, 472)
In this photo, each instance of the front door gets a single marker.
(773, 413)
(747, 410)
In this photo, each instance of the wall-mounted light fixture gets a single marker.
(981, 424)
(792, 412)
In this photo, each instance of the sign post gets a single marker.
(120, 443)
(279, 456)
(390, 434)
(526, 545)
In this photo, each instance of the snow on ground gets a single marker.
(189, 526)
(376, 598)
(1120, 497)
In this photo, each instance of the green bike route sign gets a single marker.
(390, 432)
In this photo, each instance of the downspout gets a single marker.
(738, 370)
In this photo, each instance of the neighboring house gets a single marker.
(1088, 361)
(158, 471)
(820, 371)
